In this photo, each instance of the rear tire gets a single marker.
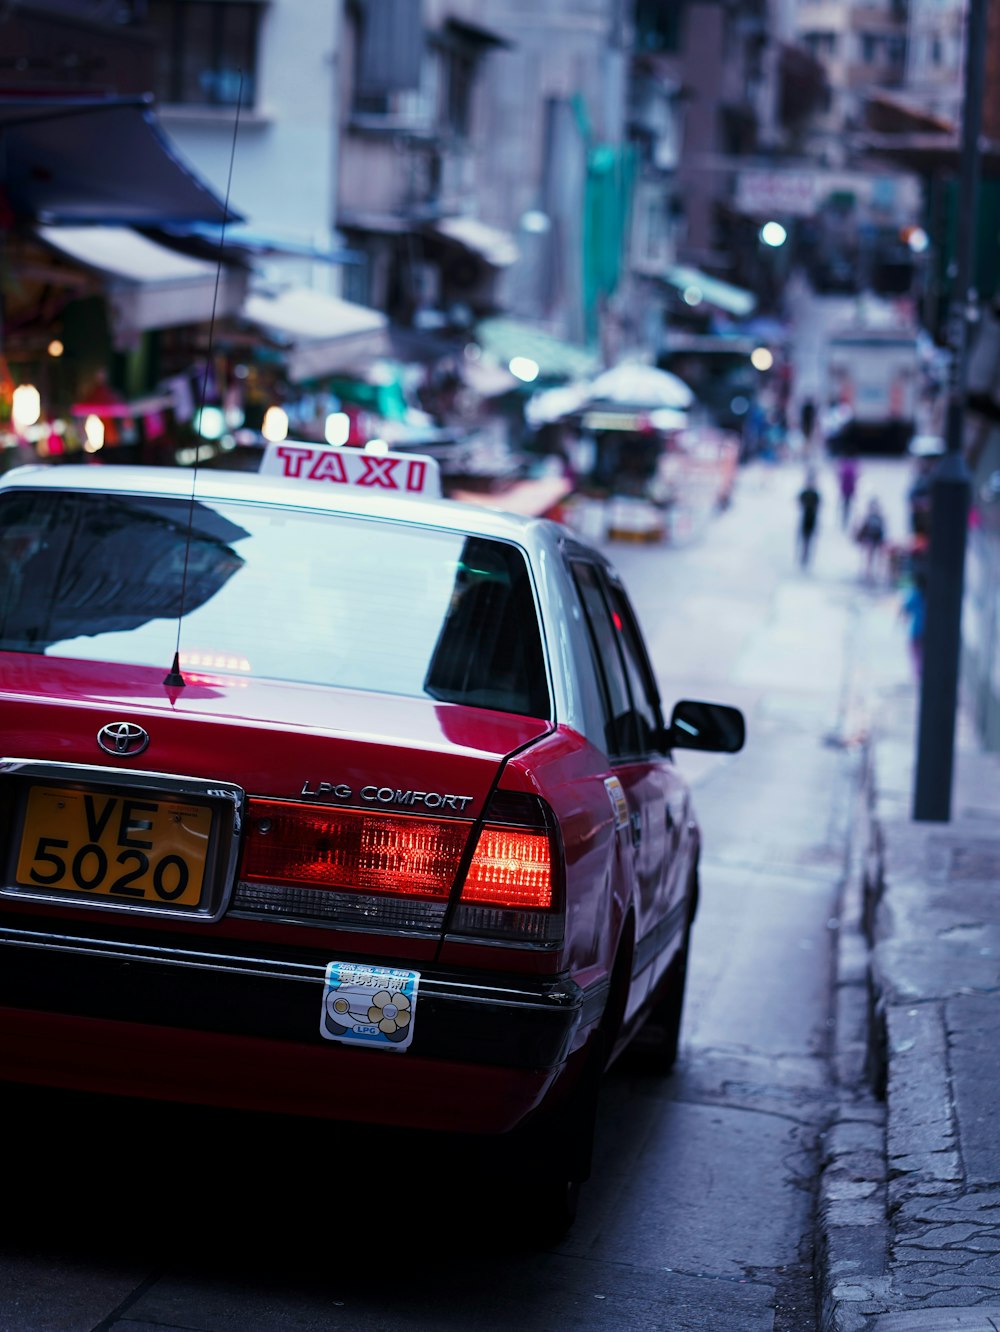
(549, 1159)
(659, 1038)
(551, 1205)
(541, 1181)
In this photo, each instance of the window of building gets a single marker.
(390, 70)
(397, 75)
(207, 49)
(652, 226)
(410, 77)
(456, 79)
(820, 44)
(658, 27)
(411, 109)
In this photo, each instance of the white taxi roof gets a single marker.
(252, 487)
(540, 538)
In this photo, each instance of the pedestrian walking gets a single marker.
(919, 498)
(847, 480)
(809, 500)
(870, 536)
(807, 424)
(914, 606)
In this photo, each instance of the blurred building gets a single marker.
(412, 113)
(275, 67)
(482, 159)
(85, 172)
(935, 57)
(861, 45)
(564, 172)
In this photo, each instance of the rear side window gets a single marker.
(622, 725)
(271, 592)
(645, 698)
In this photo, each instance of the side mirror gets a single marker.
(710, 726)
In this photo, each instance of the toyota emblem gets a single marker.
(122, 738)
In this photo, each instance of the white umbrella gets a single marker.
(668, 418)
(555, 403)
(634, 384)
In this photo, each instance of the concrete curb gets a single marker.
(852, 1224)
(909, 1198)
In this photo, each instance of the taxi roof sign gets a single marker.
(399, 474)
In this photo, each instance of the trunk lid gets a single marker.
(302, 744)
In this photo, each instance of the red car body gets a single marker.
(539, 887)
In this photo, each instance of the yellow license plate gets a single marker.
(102, 843)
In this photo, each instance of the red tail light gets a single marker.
(352, 850)
(512, 867)
(513, 889)
(396, 871)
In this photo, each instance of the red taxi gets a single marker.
(327, 798)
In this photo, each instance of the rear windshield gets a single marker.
(271, 592)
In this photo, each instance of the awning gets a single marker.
(126, 254)
(112, 410)
(495, 247)
(505, 339)
(242, 243)
(476, 34)
(324, 334)
(95, 160)
(148, 285)
(887, 113)
(928, 154)
(700, 287)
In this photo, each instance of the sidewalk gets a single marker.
(910, 1194)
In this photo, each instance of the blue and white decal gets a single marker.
(369, 1005)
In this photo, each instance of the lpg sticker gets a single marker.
(369, 1005)
(619, 805)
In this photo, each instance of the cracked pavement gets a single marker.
(921, 953)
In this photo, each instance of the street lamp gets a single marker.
(535, 222)
(950, 488)
(93, 434)
(918, 240)
(524, 369)
(773, 234)
(337, 428)
(25, 407)
(275, 425)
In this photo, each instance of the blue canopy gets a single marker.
(97, 160)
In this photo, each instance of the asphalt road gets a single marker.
(699, 1213)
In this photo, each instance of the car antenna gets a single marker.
(174, 679)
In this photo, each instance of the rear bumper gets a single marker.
(194, 1023)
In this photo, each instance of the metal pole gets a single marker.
(950, 488)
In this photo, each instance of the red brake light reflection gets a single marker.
(404, 855)
(348, 849)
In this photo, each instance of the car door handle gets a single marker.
(636, 821)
